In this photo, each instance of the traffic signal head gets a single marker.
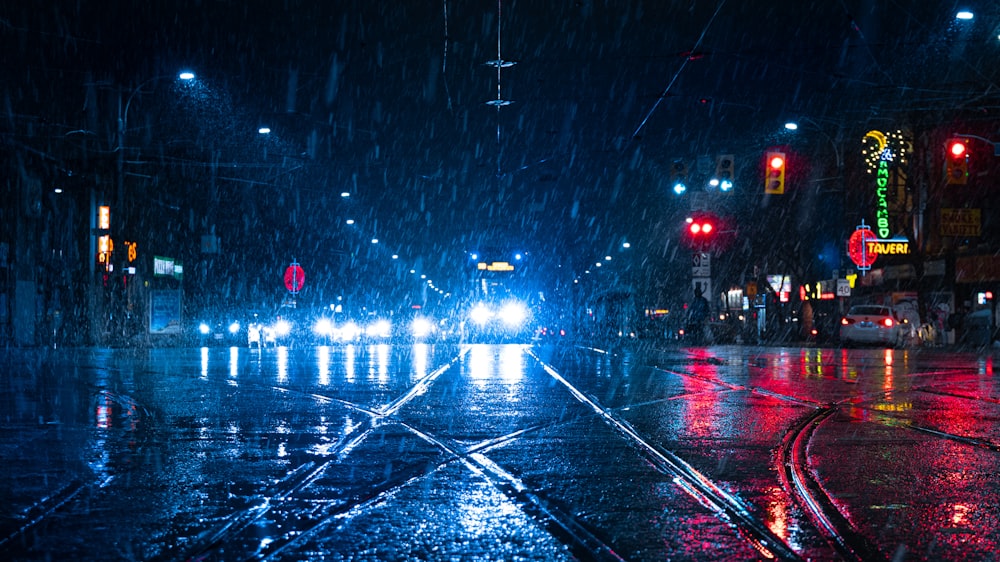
(678, 177)
(774, 173)
(956, 161)
(700, 229)
(724, 172)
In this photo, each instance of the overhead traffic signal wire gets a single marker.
(677, 74)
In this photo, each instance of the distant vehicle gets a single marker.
(221, 330)
(873, 324)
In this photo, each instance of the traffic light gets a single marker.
(956, 161)
(701, 229)
(724, 172)
(678, 177)
(774, 173)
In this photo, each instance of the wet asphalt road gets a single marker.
(505, 452)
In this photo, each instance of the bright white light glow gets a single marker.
(203, 328)
(348, 331)
(480, 314)
(264, 130)
(421, 327)
(792, 126)
(323, 327)
(350, 221)
(964, 15)
(679, 188)
(282, 327)
(186, 75)
(379, 328)
(234, 327)
(513, 314)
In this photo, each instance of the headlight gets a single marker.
(282, 327)
(513, 314)
(348, 331)
(323, 327)
(204, 328)
(234, 327)
(421, 327)
(480, 314)
(379, 328)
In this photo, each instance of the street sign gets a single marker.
(295, 277)
(701, 264)
(843, 288)
(704, 284)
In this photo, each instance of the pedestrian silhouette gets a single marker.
(697, 315)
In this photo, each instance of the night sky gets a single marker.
(388, 101)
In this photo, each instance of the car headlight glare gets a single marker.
(513, 314)
(282, 327)
(421, 327)
(480, 314)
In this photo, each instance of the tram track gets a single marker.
(299, 520)
(793, 466)
(707, 492)
(579, 538)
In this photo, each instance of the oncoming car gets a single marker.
(506, 321)
(872, 324)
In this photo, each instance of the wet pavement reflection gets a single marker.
(393, 452)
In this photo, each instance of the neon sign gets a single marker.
(863, 247)
(881, 199)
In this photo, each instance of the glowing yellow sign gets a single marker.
(104, 217)
(889, 247)
(495, 266)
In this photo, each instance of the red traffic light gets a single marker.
(956, 161)
(703, 228)
(776, 162)
(956, 148)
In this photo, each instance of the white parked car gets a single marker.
(873, 324)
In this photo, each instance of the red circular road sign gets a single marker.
(295, 277)
(857, 247)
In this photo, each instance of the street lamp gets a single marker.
(117, 307)
(794, 126)
(123, 129)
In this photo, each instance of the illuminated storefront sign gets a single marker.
(495, 266)
(885, 156)
(863, 247)
(882, 199)
(889, 247)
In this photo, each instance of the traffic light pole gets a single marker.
(996, 145)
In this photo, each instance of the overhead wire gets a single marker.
(677, 73)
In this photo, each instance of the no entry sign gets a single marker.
(295, 277)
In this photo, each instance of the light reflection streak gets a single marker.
(512, 363)
(382, 353)
(777, 516)
(420, 360)
(234, 361)
(204, 363)
(986, 365)
(479, 511)
(349, 363)
(480, 364)
(960, 514)
(324, 365)
(282, 364)
(888, 384)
